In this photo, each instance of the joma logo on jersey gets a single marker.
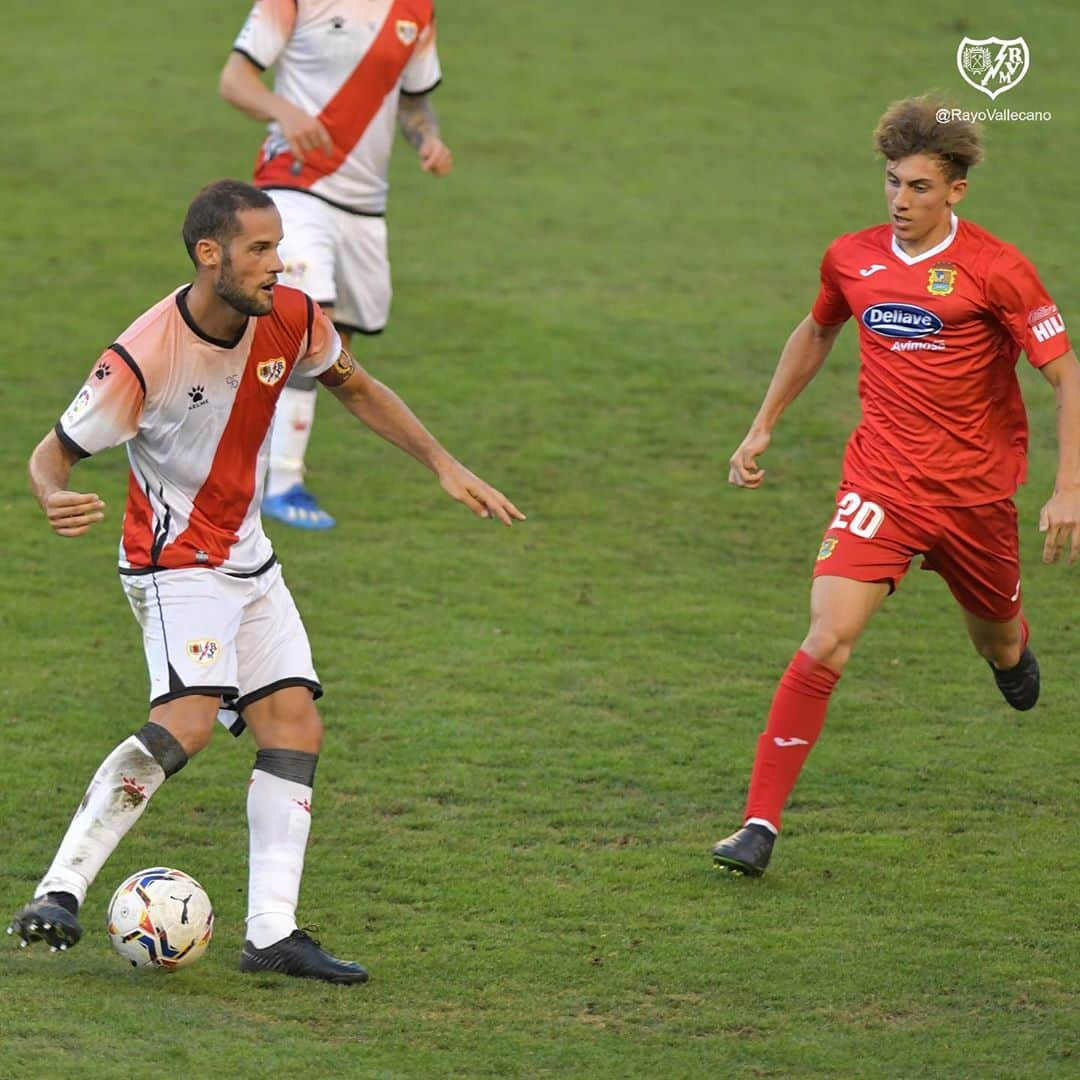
(901, 321)
(942, 280)
(271, 371)
(406, 31)
(204, 651)
(1046, 329)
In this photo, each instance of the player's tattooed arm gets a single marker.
(417, 119)
(340, 372)
(421, 130)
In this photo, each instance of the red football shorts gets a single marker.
(976, 549)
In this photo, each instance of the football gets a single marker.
(160, 918)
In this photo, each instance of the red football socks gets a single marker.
(795, 721)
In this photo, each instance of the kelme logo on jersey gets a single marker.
(901, 321)
(271, 371)
(204, 651)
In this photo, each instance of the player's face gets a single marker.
(920, 201)
(250, 264)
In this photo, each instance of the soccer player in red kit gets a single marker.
(944, 310)
(190, 389)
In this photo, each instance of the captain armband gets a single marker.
(340, 372)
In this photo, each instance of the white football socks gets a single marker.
(761, 821)
(279, 820)
(113, 802)
(289, 436)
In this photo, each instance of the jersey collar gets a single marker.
(193, 326)
(911, 260)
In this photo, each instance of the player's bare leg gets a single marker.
(1004, 646)
(288, 733)
(840, 609)
(114, 801)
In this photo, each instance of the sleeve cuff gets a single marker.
(69, 443)
(420, 93)
(244, 53)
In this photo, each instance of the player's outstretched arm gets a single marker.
(70, 513)
(1060, 517)
(377, 406)
(800, 360)
(420, 126)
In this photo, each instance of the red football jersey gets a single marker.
(943, 420)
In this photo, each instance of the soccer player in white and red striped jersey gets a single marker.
(344, 72)
(944, 310)
(190, 388)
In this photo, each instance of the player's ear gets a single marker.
(208, 253)
(958, 189)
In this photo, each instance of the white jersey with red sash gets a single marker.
(346, 62)
(195, 414)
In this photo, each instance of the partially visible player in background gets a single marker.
(344, 72)
(944, 311)
(190, 390)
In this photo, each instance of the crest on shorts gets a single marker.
(406, 31)
(271, 371)
(942, 279)
(203, 651)
(828, 546)
(992, 65)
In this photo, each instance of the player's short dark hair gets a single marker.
(918, 126)
(212, 213)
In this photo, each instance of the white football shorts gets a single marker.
(206, 632)
(337, 258)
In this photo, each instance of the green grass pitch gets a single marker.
(535, 735)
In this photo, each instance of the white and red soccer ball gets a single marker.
(160, 918)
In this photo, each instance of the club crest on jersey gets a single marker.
(895, 320)
(294, 273)
(942, 279)
(204, 651)
(992, 65)
(406, 31)
(271, 371)
(828, 546)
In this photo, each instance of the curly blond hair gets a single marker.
(913, 126)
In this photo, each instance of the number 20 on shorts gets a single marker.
(859, 516)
